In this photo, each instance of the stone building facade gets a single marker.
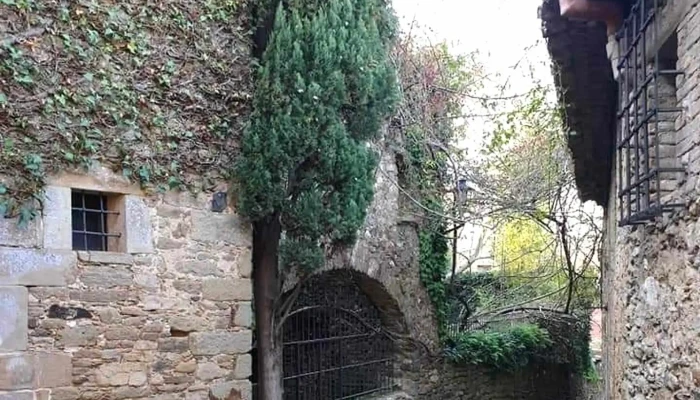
(651, 345)
(165, 314)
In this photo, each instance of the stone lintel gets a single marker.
(31, 267)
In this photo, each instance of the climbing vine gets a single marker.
(158, 91)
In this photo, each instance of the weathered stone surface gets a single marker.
(187, 323)
(13, 318)
(52, 370)
(79, 336)
(12, 234)
(65, 393)
(224, 228)
(57, 218)
(29, 267)
(100, 296)
(34, 370)
(139, 237)
(244, 367)
(244, 315)
(174, 344)
(23, 395)
(188, 285)
(232, 390)
(16, 371)
(106, 277)
(227, 289)
(212, 343)
(198, 268)
(105, 257)
(208, 371)
(244, 264)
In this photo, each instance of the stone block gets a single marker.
(198, 268)
(221, 342)
(12, 234)
(106, 277)
(139, 230)
(100, 296)
(227, 289)
(208, 371)
(52, 370)
(237, 390)
(244, 367)
(65, 393)
(16, 371)
(35, 370)
(79, 336)
(23, 395)
(244, 315)
(30, 267)
(244, 263)
(105, 257)
(57, 218)
(209, 227)
(13, 318)
(187, 323)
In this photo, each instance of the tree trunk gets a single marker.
(266, 291)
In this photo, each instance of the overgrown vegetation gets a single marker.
(157, 91)
(500, 349)
(521, 190)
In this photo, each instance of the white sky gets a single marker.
(505, 33)
(501, 30)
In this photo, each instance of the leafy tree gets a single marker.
(306, 172)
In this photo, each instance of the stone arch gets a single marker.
(342, 337)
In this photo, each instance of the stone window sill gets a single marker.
(105, 257)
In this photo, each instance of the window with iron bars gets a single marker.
(647, 107)
(92, 222)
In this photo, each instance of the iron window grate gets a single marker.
(639, 135)
(89, 218)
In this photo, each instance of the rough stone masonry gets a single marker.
(167, 318)
(651, 282)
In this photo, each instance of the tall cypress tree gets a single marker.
(324, 87)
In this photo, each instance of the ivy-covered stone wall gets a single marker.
(158, 91)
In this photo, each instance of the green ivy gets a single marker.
(434, 266)
(157, 91)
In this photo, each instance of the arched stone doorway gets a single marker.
(340, 339)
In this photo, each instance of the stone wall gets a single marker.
(541, 382)
(168, 318)
(651, 282)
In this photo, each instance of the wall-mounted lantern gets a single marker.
(462, 189)
(608, 11)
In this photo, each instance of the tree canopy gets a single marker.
(324, 87)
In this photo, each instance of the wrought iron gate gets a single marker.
(335, 347)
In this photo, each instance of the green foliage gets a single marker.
(508, 349)
(141, 87)
(433, 268)
(324, 87)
